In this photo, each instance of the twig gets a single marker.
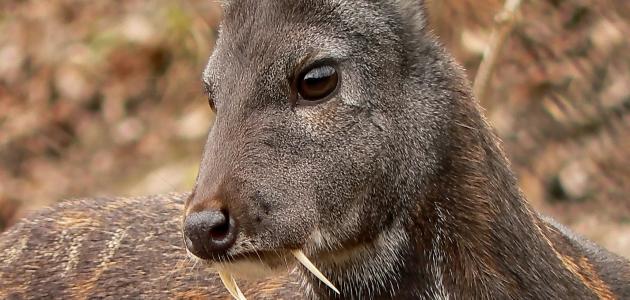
(505, 21)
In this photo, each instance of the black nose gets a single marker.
(209, 233)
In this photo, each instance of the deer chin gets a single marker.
(256, 265)
(253, 269)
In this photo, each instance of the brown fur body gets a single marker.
(100, 248)
(118, 248)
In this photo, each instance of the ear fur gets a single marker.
(414, 11)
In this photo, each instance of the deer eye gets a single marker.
(317, 83)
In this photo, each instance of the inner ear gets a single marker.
(414, 12)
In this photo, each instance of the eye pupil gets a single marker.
(318, 83)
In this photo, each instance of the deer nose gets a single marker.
(209, 233)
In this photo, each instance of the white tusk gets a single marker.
(238, 291)
(228, 282)
(299, 255)
(230, 285)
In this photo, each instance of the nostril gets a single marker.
(209, 233)
(222, 230)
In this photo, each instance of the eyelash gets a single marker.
(208, 90)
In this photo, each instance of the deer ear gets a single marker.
(414, 12)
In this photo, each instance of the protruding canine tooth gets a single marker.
(228, 282)
(238, 291)
(299, 255)
(230, 285)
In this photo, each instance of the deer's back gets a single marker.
(601, 271)
(120, 247)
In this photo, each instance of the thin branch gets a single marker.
(505, 21)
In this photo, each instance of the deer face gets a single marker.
(307, 95)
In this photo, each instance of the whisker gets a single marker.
(257, 254)
(284, 258)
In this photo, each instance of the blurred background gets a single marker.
(105, 98)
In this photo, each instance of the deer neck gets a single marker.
(469, 234)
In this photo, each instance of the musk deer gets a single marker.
(345, 135)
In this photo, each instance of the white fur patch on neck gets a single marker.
(437, 290)
(365, 270)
